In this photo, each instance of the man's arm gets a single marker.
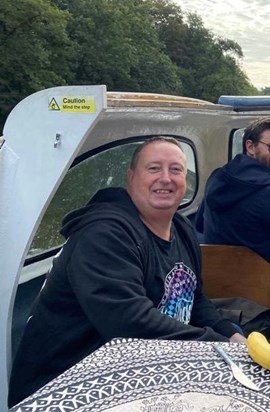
(204, 313)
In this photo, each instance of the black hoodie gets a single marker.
(236, 207)
(105, 284)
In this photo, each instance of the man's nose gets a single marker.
(165, 175)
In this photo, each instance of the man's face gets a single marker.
(158, 182)
(260, 151)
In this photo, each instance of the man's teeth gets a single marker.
(162, 191)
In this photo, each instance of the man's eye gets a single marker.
(153, 169)
(176, 170)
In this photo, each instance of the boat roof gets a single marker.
(225, 102)
(245, 103)
(128, 99)
(41, 140)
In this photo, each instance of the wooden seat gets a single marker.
(235, 271)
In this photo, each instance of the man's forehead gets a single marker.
(266, 135)
(158, 148)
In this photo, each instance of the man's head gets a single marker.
(256, 140)
(157, 176)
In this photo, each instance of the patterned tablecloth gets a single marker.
(135, 375)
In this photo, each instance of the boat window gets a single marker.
(104, 169)
(237, 139)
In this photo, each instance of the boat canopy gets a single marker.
(51, 124)
(246, 103)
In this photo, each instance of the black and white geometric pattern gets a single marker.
(135, 375)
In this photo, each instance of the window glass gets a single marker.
(191, 173)
(237, 139)
(105, 169)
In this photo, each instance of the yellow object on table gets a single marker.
(259, 349)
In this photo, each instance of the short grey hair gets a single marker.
(153, 139)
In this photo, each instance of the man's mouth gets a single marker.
(163, 191)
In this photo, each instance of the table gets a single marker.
(136, 375)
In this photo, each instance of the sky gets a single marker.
(245, 21)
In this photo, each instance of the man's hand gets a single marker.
(238, 338)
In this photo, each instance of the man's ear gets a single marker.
(130, 174)
(250, 148)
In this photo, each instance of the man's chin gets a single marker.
(165, 206)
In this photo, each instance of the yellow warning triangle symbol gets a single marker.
(53, 105)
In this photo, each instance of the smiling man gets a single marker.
(130, 268)
(236, 206)
(157, 183)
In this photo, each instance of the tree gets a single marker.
(132, 45)
(265, 91)
(34, 48)
(209, 65)
(117, 45)
(212, 65)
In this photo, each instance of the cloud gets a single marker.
(246, 22)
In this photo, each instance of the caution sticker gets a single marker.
(72, 104)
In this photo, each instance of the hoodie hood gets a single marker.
(106, 203)
(235, 181)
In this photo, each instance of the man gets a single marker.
(236, 206)
(130, 268)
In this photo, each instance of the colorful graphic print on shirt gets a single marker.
(177, 301)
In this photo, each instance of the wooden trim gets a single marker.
(128, 99)
(235, 271)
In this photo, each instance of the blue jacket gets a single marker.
(236, 206)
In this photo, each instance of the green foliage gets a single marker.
(34, 49)
(131, 45)
(209, 65)
(265, 91)
(118, 46)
